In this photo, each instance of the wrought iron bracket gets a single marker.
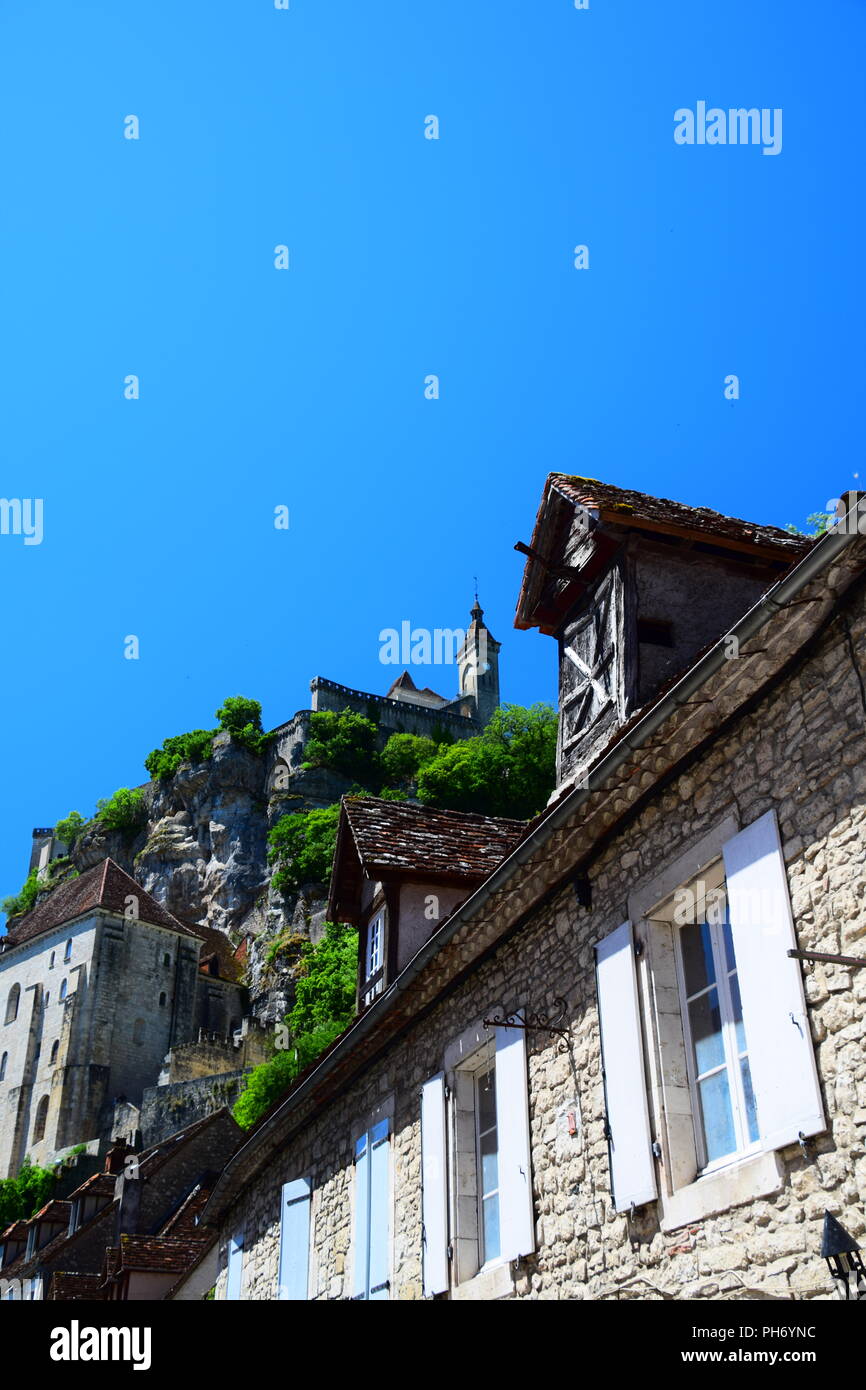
(535, 1023)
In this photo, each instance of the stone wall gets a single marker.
(799, 752)
(166, 1109)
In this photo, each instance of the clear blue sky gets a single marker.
(408, 256)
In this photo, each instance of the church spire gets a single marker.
(478, 666)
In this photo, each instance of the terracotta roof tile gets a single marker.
(76, 1288)
(104, 886)
(160, 1254)
(401, 835)
(629, 505)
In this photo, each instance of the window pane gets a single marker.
(718, 1120)
(489, 1163)
(486, 1102)
(751, 1107)
(698, 964)
(737, 1005)
(490, 1208)
(706, 1025)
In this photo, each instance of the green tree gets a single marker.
(326, 989)
(25, 900)
(403, 755)
(324, 1006)
(69, 829)
(508, 770)
(301, 845)
(193, 747)
(345, 743)
(22, 1196)
(242, 718)
(125, 811)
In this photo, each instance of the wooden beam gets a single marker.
(828, 955)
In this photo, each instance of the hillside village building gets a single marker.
(97, 984)
(628, 1062)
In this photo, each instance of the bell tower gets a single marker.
(478, 667)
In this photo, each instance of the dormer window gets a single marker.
(374, 973)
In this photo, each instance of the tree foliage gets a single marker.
(242, 718)
(403, 755)
(19, 903)
(324, 1006)
(345, 743)
(22, 1196)
(508, 770)
(301, 845)
(193, 747)
(125, 811)
(69, 828)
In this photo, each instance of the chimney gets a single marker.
(116, 1156)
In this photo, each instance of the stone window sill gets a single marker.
(487, 1285)
(757, 1176)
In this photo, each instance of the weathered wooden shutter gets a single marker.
(434, 1187)
(361, 1261)
(781, 1058)
(632, 1168)
(295, 1240)
(380, 1212)
(236, 1266)
(516, 1217)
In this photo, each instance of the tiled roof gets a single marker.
(97, 1185)
(76, 1288)
(420, 840)
(625, 505)
(217, 944)
(405, 682)
(183, 1222)
(104, 886)
(17, 1231)
(158, 1254)
(53, 1211)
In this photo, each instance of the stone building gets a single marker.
(97, 984)
(630, 1061)
(129, 1232)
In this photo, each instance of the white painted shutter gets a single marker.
(380, 1212)
(295, 1240)
(516, 1217)
(236, 1266)
(434, 1194)
(632, 1167)
(781, 1059)
(361, 1262)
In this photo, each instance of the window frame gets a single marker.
(731, 1065)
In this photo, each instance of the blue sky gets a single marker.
(408, 256)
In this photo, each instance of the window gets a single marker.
(166, 960)
(294, 1240)
(487, 1166)
(51, 962)
(64, 989)
(372, 1261)
(55, 1048)
(12, 1003)
(723, 1100)
(3, 1061)
(67, 954)
(162, 998)
(658, 633)
(475, 1160)
(41, 1117)
(235, 1266)
(704, 988)
(374, 974)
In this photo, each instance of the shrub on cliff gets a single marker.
(69, 828)
(301, 845)
(324, 1006)
(345, 743)
(193, 747)
(404, 754)
(508, 770)
(125, 811)
(242, 718)
(19, 903)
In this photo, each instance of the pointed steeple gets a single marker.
(478, 666)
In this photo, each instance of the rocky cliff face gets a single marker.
(203, 852)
